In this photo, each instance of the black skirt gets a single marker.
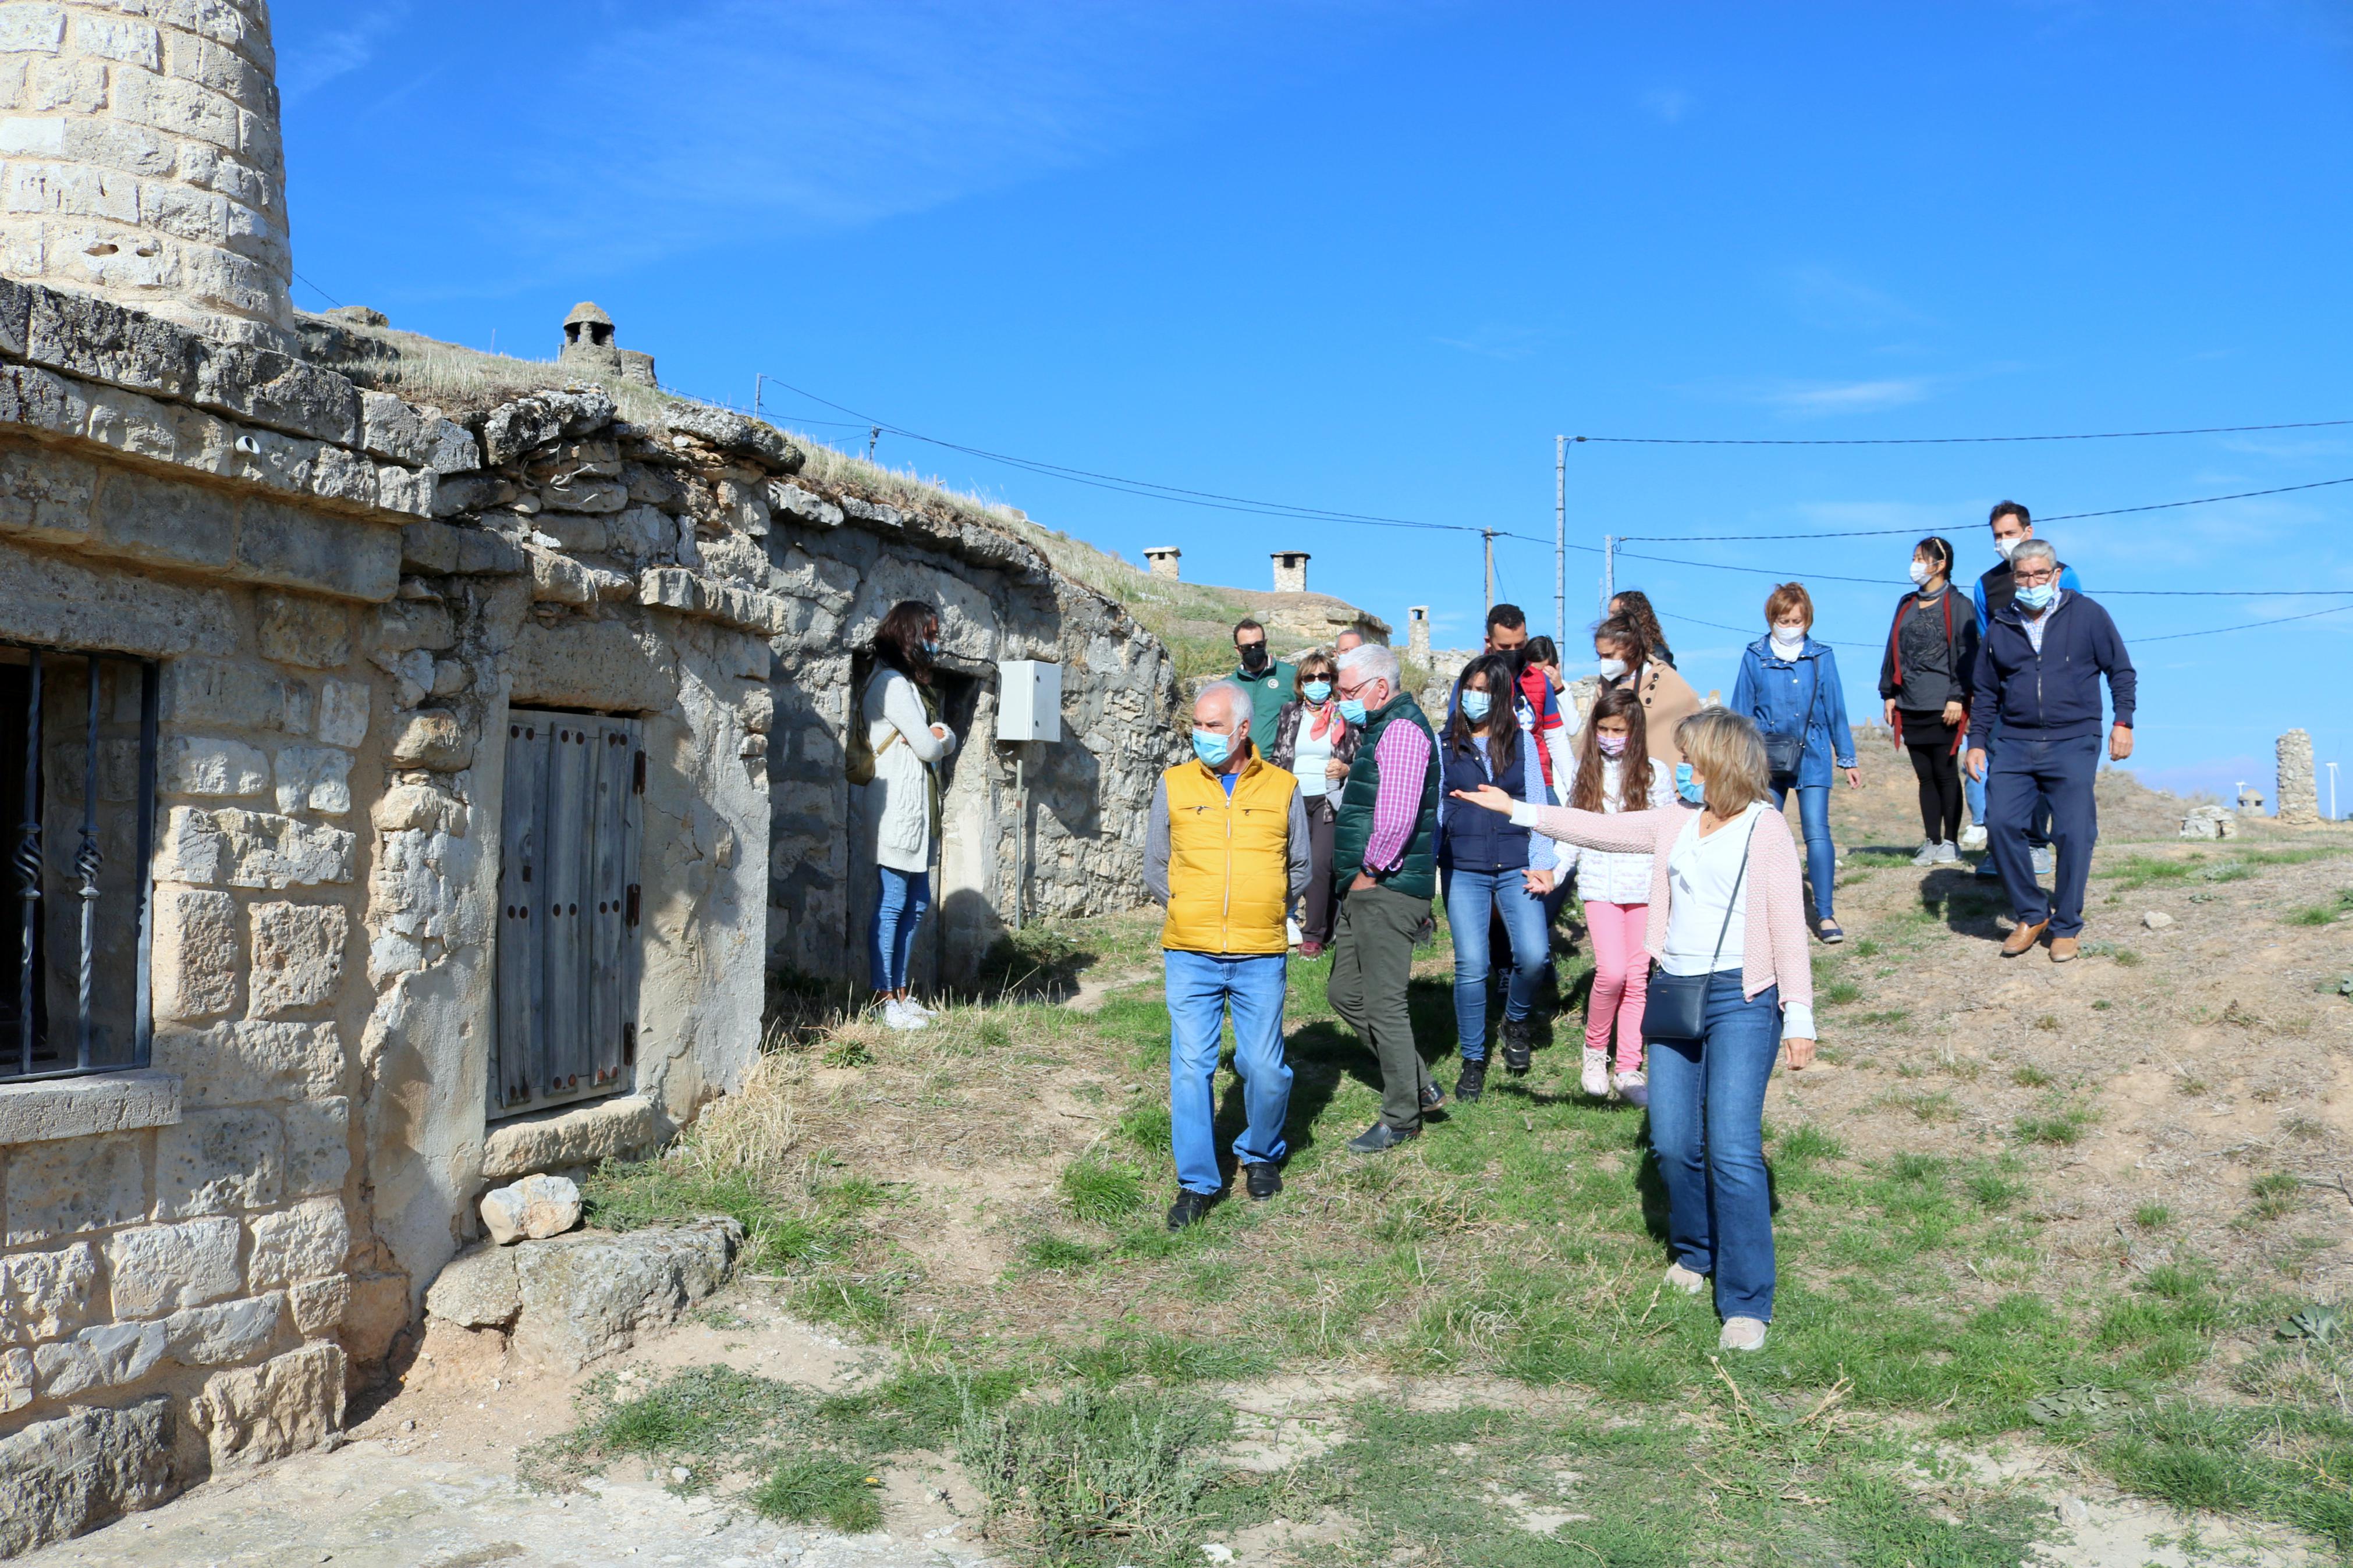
(1928, 729)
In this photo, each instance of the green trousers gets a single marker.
(1372, 958)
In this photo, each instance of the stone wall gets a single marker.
(143, 160)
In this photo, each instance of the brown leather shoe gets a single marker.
(2024, 938)
(2064, 949)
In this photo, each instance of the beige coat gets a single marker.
(1667, 700)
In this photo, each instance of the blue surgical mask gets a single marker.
(931, 651)
(1352, 711)
(1475, 705)
(1689, 787)
(2038, 598)
(1212, 749)
(1316, 691)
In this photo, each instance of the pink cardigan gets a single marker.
(1774, 953)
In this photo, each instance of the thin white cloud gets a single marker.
(1499, 342)
(1816, 399)
(1825, 298)
(1668, 105)
(306, 64)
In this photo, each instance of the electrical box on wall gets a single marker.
(1028, 699)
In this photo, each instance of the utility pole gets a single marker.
(756, 380)
(1560, 541)
(1608, 572)
(2332, 794)
(873, 435)
(1487, 543)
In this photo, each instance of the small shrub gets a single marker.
(2102, 1007)
(2275, 1194)
(1993, 1191)
(846, 1051)
(1839, 993)
(1149, 1128)
(2030, 1077)
(2048, 1023)
(1096, 1469)
(2152, 1216)
(818, 1489)
(2060, 1128)
(1101, 1193)
(2128, 958)
(1057, 1252)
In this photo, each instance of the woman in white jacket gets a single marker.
(903, 802)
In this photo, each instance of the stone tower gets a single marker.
(2299, 790)
(143, 160)
(589, 345)
(1416, 642)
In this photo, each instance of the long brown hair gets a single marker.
(1503, 716)
(1634, 762)
(899, 640)
(1628, 633)
(1633, 605)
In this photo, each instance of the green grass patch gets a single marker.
(2060, 1127)
(1102, 1192)
(820, 1488)
(1096, 1477)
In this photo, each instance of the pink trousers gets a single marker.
(1621, 978)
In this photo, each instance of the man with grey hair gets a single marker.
(1384, 857)
(1225, 852)
(2038, 676)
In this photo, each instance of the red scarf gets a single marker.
(1327, 716)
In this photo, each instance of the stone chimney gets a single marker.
(1162, 560)
(144, 164)
(2299, 791)
(1290, 571)
(590, 346)
(1417, 636)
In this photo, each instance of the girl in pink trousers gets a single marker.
(1614, 771)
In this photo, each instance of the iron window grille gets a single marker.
(77, 798)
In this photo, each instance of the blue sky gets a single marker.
(1372, 258)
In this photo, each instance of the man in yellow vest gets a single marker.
(1226, 852)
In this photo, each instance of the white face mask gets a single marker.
(1788, 642)
(2002, 547)
(1921, 573)
(1611, 669)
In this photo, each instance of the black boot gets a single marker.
(1473, 1081)
(1263, 1180)
(1381, 1137)
(1189, 1208)
(1519, 1046)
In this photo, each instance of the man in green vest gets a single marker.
(1268, 679)
(1383, 857)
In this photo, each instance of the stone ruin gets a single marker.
(2210, 822)
(589, 348)
(2299, 787)
(401, 800)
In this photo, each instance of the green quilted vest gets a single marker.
(1417, 876)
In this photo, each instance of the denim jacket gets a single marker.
(1779, 694)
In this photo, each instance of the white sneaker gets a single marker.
(2046, 861)
(1595, 1078)
(1973, 838)
(1633, 1087)
(1291, 931)
(1948, 853)
(918, 1009)
(1741, 1334)
(897, 1014)
(1926, 854)
(1684, 1280)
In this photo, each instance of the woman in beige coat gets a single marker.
(1667, 697)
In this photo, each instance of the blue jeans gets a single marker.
(1821, 855)
(2022, 780)
(891, 936)
(1707, 1128)
(1201, 986)
(1469, 896)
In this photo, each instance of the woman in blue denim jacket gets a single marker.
(1790, 687)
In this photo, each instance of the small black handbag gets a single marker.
(1784, 754)
(1677, 1005)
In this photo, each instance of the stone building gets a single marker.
(589, 348)
(1162, 560)
(399, 799)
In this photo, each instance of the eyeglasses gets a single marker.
(2028, 577)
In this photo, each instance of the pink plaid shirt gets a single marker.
(1404, 758)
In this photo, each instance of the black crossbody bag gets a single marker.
(1676, 1006)
(1784, 754)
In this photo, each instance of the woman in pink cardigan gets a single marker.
(1725, 902)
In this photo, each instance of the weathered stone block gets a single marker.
(255, 1415)
(304, 1242)
(16, 1386)
(343, 712)
(513, 428)
(581, 492)
(407, 624)
(318, 1146)
(165, 519)
(159, 1268)
(298, 955)
(47, 599)
(318, 1305)
(64, 1188)
(293, 628)
(325, 554)
(433, 738)
(43, 1295)
(586, 1297)
(400, 432)
(734, 434)
(239, 1063)
(314, 778)
(619, 1128)
(115, 1101)
(405, 809)
(218, 1336)
(476, 1289)
(46, 493)
(107, 343)
(199, 953)
(207, 765)
(112, 1355)
(206, 692)
(61, 1477)
(250, 849)
(274, 389)
(377, 1314)
(536, 1208)
(218, 1161)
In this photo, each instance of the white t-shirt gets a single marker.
(1308, 757)
(1700, 876)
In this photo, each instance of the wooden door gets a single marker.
(568, 910)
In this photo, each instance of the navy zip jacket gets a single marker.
(2054, 695)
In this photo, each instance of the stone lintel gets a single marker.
(573, 1135)
(82, 1106)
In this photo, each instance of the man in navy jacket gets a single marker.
(2038, 673)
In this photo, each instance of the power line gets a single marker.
(1946, 441)
(2245, 627)
(2062, 517)
(322, 294)
(2105, 593)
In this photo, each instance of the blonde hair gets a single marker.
(1724, 749)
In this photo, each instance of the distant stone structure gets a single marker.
(2251, 799)
(1290, 571)
(143, 161)
(2210, 822)
(1417, 621)
(2299, 791)
(589, 345)
(1162, 560)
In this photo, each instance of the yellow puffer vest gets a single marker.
(1228, 860)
